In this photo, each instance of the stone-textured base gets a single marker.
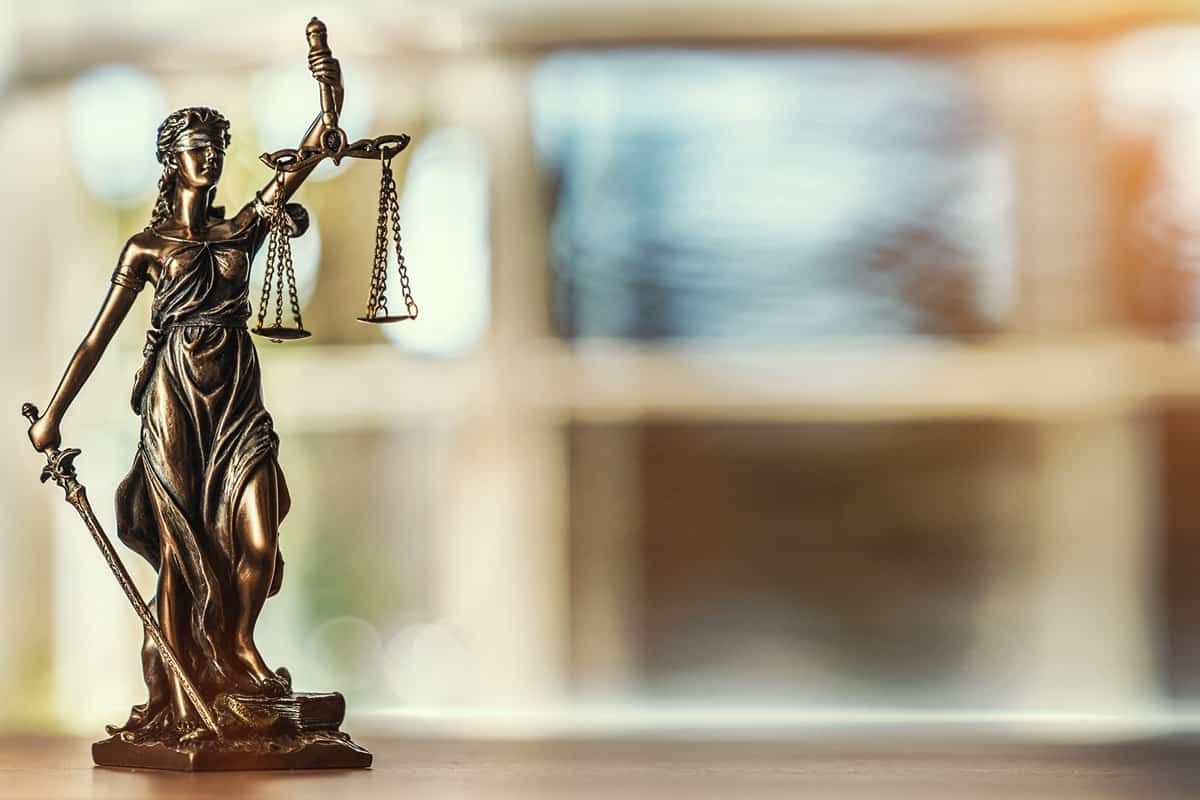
(315, 750)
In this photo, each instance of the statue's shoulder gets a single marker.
(142, 252)
(144, 242)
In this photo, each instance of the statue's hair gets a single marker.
(174, 126)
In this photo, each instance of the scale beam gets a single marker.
(380, 148)
(333, 145)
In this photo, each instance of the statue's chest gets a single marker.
(225, 260)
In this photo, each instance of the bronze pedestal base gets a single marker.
(296, 731)
(316, 750)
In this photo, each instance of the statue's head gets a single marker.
(191, 148)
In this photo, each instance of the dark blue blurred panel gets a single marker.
(771, 195)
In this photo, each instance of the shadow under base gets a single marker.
(299, 731)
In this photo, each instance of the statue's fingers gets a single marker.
(326, 74)
(322, 62)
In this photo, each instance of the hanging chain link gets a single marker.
(291, 282)
(394, 207)
(268, 276)
(389, 207)
(279, 266)
(277, 232)
(377, 299)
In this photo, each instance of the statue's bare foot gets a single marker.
(261, 679)
(258, 679)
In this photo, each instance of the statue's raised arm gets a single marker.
(323, 138)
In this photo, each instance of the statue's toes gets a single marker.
(138, 716)
(189, 731)
(275, 686)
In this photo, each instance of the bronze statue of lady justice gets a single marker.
(205, 496)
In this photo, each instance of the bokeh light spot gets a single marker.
(344, 652)
(444, 220)
(427, 665)
(113, 116)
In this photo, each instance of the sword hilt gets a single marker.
(60, 464)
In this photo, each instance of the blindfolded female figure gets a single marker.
(204, 498)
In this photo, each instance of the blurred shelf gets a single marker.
(57, 41)
(906, 379)
(538, 24)
(312, 387)
(844, 381)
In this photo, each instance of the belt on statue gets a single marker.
(156, 336)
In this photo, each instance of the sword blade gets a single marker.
(78, 499)
(60, 466)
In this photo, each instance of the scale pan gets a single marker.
(282, 334)
(381, 320)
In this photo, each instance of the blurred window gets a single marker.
(771, 195)
(822, 563)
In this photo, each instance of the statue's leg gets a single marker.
(256, 526)
(173, 605)
(156, 684)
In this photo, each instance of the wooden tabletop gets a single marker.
(893, 766)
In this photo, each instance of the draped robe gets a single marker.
(204, 432)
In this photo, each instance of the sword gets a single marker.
(60, 465)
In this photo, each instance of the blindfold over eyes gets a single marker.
(196, 140)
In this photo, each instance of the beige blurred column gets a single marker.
(1091, 583)
(26, 582)
(606, 564)
(1094, 583)
(501, 568)
(1040, 97)
(60, 607)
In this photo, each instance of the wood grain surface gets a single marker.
(891, 766)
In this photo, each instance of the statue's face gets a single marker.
(200, 167)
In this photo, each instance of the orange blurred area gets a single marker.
(779, 365)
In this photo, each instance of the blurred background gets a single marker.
(777, 362)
